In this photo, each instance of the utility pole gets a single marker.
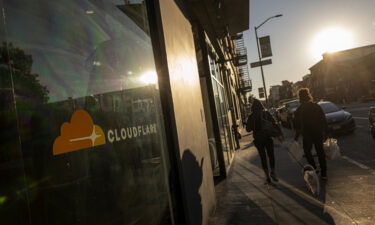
(261, 66)
(260, 58)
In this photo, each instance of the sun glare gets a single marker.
(331, 40)
(149, 77)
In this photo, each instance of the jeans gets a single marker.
(308, 142)
(265, 148)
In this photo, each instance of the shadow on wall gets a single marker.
(193, 173)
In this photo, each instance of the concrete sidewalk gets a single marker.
(244, 198)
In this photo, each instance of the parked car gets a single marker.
(282, 116)
(371, 118)
(339, 120)
(272, 111)
(291, 107)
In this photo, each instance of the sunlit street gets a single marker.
(359, 145)
(346, 198)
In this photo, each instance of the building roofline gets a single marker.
(342, 52)
(316, 64)
(350, 49)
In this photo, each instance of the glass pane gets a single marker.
(224, 112)
(220, 110)
(220, 121)
(214, 68)
(13, 201)
(88, 111)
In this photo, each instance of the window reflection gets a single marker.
(221, 109)
(59, 58)
(66, 42)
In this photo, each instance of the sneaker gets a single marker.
(274, 177)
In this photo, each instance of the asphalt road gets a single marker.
(359, 145)
(349, 193)
(351, 187)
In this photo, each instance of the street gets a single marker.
(351, 185)
(349, 193)
(348, 197)
(359, 146)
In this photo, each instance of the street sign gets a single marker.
(261, 92)
(265, 46)
(263, 62)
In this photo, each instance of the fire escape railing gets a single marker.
(245, 84)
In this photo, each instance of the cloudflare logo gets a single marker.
(81, 133)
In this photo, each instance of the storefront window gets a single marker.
(81, 132)
(221, 109)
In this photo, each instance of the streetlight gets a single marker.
(260, 60)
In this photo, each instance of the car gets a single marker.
(282, 116)
(272, 111)
(339, 120)
(291, 107)
(371, 118)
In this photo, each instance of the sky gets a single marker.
(297, 37)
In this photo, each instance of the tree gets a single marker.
(16, 66)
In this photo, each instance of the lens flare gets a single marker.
(3, 199)
(331, 40)
(149, 77)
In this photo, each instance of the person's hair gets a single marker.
(304, 95)
(257, 106)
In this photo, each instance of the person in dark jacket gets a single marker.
(310, 121)
(262, 141)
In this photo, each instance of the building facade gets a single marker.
(117, 112)
(274, 96)
(345, 76)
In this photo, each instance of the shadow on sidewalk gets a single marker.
(237, 205)
(303, 203)
(247, 146)
(245, 211)
(290, 202)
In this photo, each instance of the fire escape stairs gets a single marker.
(245, 84)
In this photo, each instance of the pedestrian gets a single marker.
(310, 122)
(262, 141)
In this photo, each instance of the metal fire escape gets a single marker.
(245, 84)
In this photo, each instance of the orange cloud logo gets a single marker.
(80, 133)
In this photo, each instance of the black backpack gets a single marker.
(269, 127)
(248, 127)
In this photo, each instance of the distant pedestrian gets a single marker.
(310, 121)
(262, 140)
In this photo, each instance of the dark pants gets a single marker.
(308, 142)
(265, 148)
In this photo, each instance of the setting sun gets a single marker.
(331, 40)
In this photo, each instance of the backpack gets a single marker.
(248, 127)
(269, 127)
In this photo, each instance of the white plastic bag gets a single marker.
(331, 149)
(296, 150)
